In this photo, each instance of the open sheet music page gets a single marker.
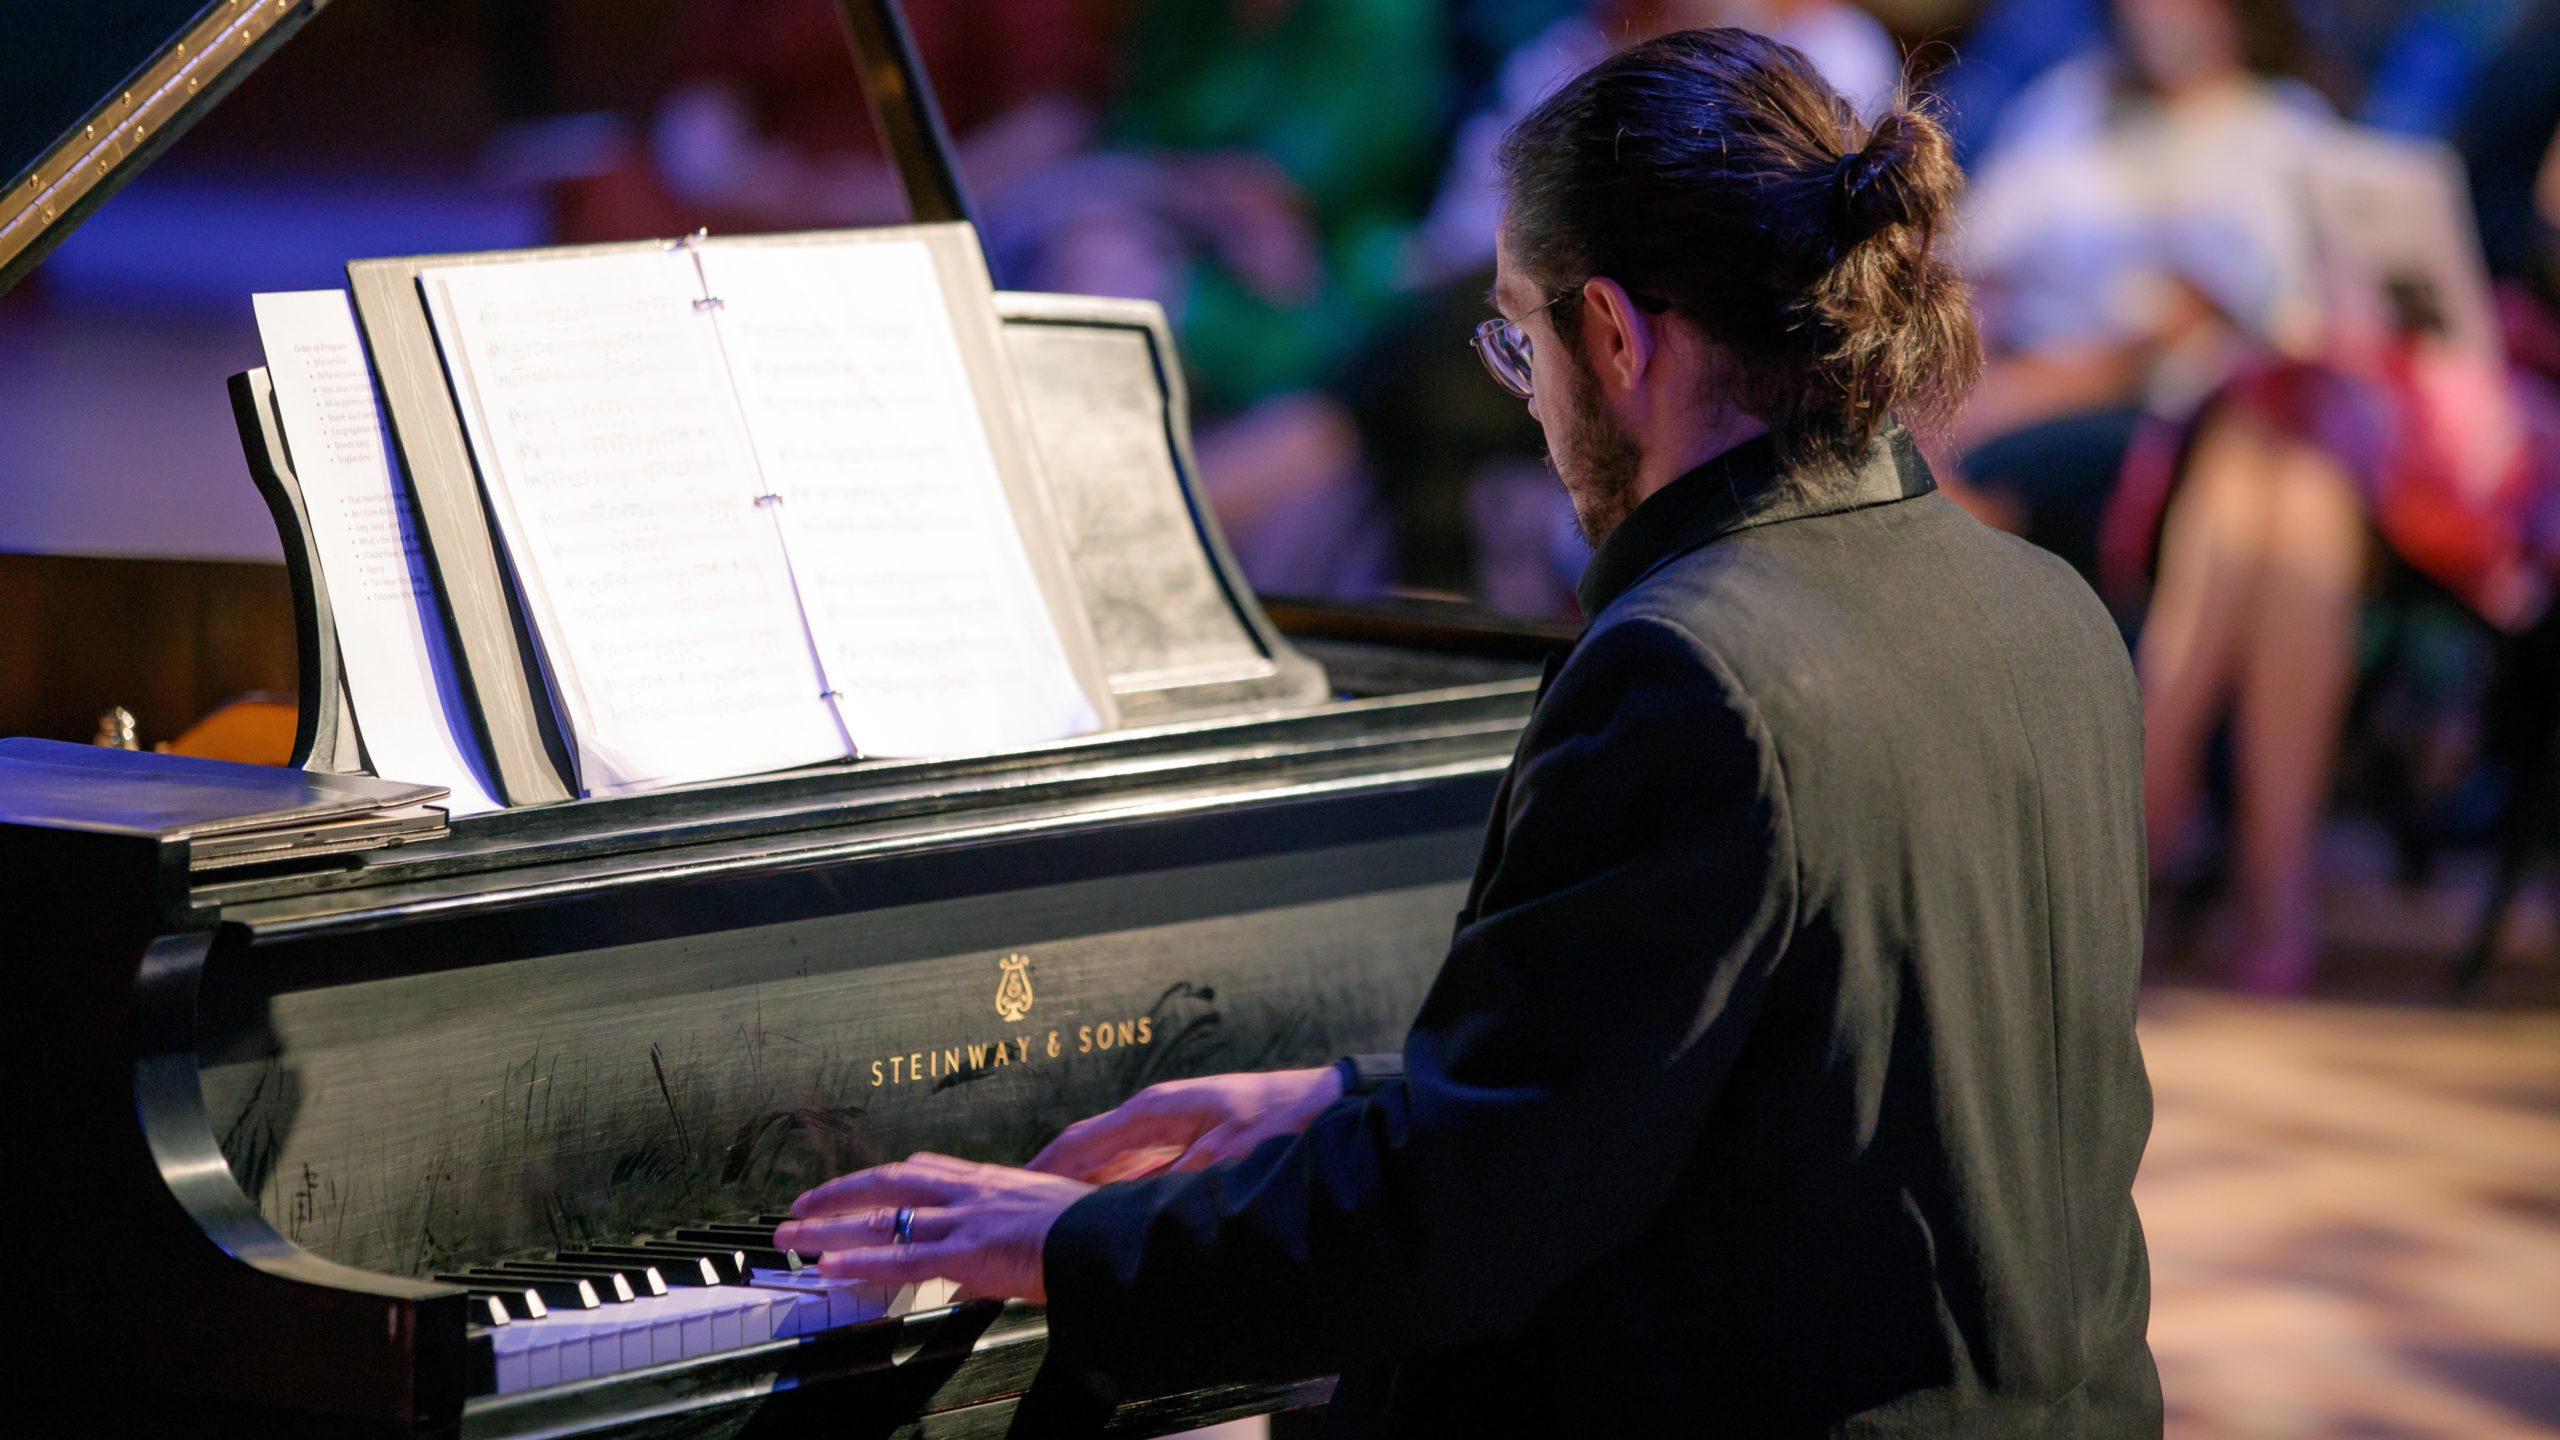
(408, 699)
(594, 394)
(864, 419)
(2394, 225)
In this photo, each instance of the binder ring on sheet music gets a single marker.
(771, 499)
(688, 244)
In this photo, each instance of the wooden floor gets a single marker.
(2353, 1205)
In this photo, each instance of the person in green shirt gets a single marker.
(1294, 142)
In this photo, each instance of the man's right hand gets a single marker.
(1189, 1124)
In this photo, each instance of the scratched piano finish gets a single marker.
(406, 1101)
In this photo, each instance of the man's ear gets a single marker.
(1618, 340)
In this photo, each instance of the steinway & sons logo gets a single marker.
(1013, 992)
(1013, 1006)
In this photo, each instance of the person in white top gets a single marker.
(2138, 203)
(2144, 233)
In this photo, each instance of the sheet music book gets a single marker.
(2392, 219)
(2402, 265)
(751, 505)
(410, 713)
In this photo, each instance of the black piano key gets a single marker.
(763, 1257)
(742, 1229)
(752, 1237)
(513, 1302)
(741, 1232)
(640, 1272)
(559, 1291)
(733, 1261)
(488, 1310)
(672, 1267)
(611, 1286)
(557, 1294)
(620, 1274)
(522, 1302)
(764, 1226)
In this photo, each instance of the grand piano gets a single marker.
(298, 1139)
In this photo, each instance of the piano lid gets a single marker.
(92, 90)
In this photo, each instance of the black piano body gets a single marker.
(264, 1107)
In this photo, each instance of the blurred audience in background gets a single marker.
(1261, 167)
(1305, 186)
(2310, 450)
(2213, 390)
(756, 128)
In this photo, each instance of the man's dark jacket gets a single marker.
(1781, 1078)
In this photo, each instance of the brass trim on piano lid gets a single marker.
(125, 124)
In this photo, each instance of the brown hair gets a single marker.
(1715, 173)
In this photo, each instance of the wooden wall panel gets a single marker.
(166, 639)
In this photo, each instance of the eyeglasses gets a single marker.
(1505, 351)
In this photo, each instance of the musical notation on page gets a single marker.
(865, 421)
(401, 679)
(611, 450)
(751, 501)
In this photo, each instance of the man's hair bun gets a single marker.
(1888, 180)
(1718, 171)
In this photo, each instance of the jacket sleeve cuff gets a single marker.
(1086, 1285)
(1362, 1074)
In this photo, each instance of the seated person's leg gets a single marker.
(2213, 549)
(2295, 673)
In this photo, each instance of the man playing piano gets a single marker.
(1781, 1077)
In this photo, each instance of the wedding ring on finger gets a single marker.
(902, 1226)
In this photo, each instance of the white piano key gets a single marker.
(851, 1302)
(799, 1315)
(573, 1351)
(637, 1351)
(604, 1352)
(867, 1299)
(726, 1331)
(681, 1325)
(666, 1339)
(808, 1311)
(923, 1295)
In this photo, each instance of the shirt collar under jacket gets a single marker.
(1743, 487)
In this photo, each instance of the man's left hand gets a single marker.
(980, 1225)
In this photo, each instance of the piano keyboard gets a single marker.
(604, 1309)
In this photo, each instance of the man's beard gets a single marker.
(1597, 462)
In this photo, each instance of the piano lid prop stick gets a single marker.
(904, 111)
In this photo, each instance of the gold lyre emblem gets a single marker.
(1013, 993)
